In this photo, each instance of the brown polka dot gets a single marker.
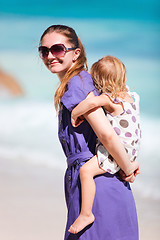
(111, 122)
(124, 123)
(134, 158)
(134, 106)
(126, 150)
(101, 164)
(110, 158)
(132, 143)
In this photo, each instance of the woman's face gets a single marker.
(62, 64)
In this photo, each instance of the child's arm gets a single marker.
(107, 136)
(90, 103)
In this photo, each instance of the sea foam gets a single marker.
(29, 132)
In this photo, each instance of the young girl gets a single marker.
(122, 110)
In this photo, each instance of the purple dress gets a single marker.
(114, 206)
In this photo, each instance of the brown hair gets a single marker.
(109, 75)
(80, 64)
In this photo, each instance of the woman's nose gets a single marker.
(50, 55)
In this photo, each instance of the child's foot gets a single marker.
(80, 223)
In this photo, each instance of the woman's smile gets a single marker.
(53, 63)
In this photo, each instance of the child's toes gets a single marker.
(72, 229)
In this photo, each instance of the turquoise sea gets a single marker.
(129, 31)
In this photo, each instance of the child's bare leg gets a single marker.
(87, 172)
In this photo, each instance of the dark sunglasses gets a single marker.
(57, 50)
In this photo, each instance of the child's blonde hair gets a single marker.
(109, 75)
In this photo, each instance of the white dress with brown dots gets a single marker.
(127, 127)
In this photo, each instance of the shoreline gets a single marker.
(32, 204)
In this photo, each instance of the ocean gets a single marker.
(28, 124)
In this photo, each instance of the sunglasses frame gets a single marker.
(65, 49)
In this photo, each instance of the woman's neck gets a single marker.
(61, 76)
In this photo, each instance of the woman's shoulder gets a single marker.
(79, 86)
(85, 74)
(81, 77)
(83, 82)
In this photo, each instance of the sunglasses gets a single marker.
(57, 50)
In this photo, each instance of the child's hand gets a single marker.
(131, 178)
(133, 168)
(76, 121)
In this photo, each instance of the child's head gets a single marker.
(109, 75)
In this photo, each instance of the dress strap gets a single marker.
(135, 96)
(114, 100)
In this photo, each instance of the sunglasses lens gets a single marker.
(43, 52)
(58, 50)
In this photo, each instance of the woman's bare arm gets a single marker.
(107, 136)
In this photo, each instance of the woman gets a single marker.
(114, 207)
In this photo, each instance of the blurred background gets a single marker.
(129, 30)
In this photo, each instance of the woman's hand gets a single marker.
(131, 178)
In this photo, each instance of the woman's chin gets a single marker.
(52, 69)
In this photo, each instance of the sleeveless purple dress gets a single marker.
(114, 206)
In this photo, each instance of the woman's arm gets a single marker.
(107, 136)
(91, 102)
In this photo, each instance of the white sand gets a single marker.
(32, 205)
(148, 211)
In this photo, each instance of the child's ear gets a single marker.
(76, 54)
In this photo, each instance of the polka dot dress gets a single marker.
(127, 127)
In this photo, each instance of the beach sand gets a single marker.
(32, 204)
(148, 211)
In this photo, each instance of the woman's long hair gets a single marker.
(80, 64)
